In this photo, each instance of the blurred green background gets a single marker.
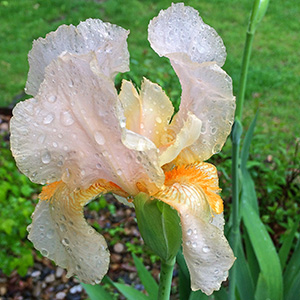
(273, 89)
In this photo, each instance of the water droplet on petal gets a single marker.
(52, 99)
(41, 138)
(189, 232)
(99, 138)
(66, 118)
(158, 120)
(54, 144)
(60, 135)
(119, 172)
(71, 83)
(98, 166)
(65, 242)
(205, 249)
(62, 227)
(46, 157)
(194, 244)
(42, 227)
(50, 233)
(48, 119)
(44, 252)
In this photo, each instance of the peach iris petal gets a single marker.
(193, 191)
(60, 232)
(196, 53)
(72, 131)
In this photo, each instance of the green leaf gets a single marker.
(129, 292)
(292, 269)
(147, 280)
(245, 283)
(293, 293)
(287, 244)
(96, 292)
(265, 252)
(198, 295)
(184, 277)
(248, 187)
(261, 292)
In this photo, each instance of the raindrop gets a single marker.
(90, 231)
(52, 98)
(45, 252)
(119, 172)
(205, 249)
(158, 120)
(188, 243)
(213, 130)
(99, 138)
(194, 244)
(66, 118)
(98, 166)
(82, 172)
(46, 157)
(50, 233)
(48, 119)
(189, 232)
(60, 135)
(65, 242)
(62, 227)
(42, 227)
(29, 227)
(71, 83)
(41, 138)
(54, 144)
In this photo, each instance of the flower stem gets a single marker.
(165, 281)
(243, 78)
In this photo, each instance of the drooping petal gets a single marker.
(60, 232)
(193, 191)
(196, 53)
(72, 131)
(107, 40)
(147, 113)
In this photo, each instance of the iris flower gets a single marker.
(80, 138)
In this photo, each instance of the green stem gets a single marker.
(235, 214)
(166, 274)
(243, 78)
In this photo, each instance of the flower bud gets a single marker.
(159, 225)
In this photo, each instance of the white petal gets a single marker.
(207, 93)
(60, 232)
(107, 40)
(206, 252)
(196, 53)
(72, 131)
(180, 29)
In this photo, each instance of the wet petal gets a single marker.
(180, 29)
(107, 40)
(147, 113)
(72, 131)
(188, 134)
(60, 232)
(193, 191)
(196, 53)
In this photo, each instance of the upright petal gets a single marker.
(196, 53)
(147, 113)
(108, 41)
(193, 191)
(60, 232)
(72, 131)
